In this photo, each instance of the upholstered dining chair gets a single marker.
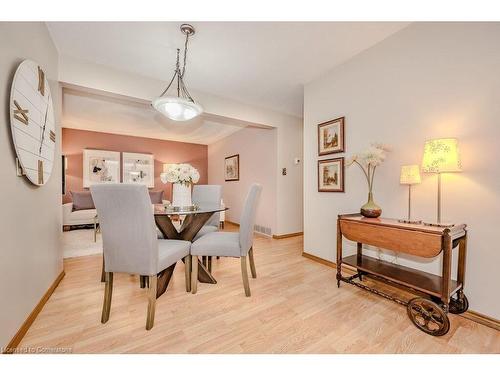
(130, 243)
(208, 195)
(230, 244)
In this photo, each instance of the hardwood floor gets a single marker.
(295, 308)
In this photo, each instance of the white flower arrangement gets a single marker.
(180, 173)
(369, 160)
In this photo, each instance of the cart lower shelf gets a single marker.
(409, 277)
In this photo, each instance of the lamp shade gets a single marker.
(410, 174)
(441, 155)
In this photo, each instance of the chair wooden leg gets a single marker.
(244, 275)
(95, 230)
(252, 263)
(108, 292)
(153, 281)
(194, 274)
(209, 264)
(142, 281)
(103, 273)
(187, 266)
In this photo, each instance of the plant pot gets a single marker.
(181, 195)
(370, 208)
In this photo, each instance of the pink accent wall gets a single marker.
(74, 141)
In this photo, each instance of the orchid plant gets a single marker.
(180, 173)
(369, 160)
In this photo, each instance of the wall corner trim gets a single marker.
(485, 320)
(287, 235)
(319, 260)
(482, 319)
(12, 345)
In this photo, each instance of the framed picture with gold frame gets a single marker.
(331, 175)
(331, 137)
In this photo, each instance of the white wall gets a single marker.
(30, 217)
(258, 163)
(289, 201)
(429, 80)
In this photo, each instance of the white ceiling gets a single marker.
(257, 63)
(102, 113)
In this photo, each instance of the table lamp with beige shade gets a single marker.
(410, 175)
(441, 156)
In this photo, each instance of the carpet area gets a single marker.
(80, 242)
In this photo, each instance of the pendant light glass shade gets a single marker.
(177, 108)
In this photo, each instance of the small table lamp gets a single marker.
(441, 155)
(410, 175)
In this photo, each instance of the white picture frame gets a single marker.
(138, 169)
(100, 167)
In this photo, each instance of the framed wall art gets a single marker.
(138, 169)
(331, 175)
(100, 167)
(232, 168)
(331, 137)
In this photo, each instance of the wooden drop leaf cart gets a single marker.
(441, 293)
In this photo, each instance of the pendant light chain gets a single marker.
(185, 55)
(181, 87)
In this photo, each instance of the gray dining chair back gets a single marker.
(130, 242)
(208, 195)
(128, 229)
(247, 220)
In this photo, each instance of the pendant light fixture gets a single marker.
(181, 107)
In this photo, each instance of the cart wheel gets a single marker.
(459, 305)
(428, 316)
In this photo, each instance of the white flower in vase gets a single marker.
(195, 175)
(182, 176)
(368, 161)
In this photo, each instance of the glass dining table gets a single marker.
(195, 217)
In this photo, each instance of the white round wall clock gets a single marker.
(32, 122)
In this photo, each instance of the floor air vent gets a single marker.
(262, 229)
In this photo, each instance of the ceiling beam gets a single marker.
(92, 78)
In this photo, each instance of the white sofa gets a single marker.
(80, 217)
